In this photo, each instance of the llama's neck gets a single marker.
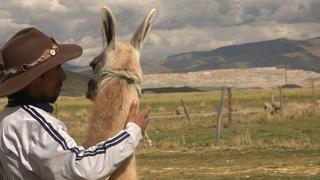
(111, 107)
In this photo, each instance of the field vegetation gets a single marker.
(257, 146)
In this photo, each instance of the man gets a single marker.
(34, 144)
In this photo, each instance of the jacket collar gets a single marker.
(30, 101)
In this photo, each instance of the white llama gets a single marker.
(116, 82)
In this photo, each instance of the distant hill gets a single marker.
(75, 85)
(302, 54)
(151, 66)
(236, 78)
(295, 54)
(85, 70)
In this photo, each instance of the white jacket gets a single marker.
(35, 145)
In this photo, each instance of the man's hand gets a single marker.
(139, 118)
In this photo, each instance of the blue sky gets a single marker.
(180, 25)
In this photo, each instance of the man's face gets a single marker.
(50, 84)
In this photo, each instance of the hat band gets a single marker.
(10, 72)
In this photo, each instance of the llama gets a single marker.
(267, 106)
(115, 84)
(276, 105)
(273, 107)
(317, 104)
(179, 110)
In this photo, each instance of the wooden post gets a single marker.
(286, 76)
(230, 107)
(219, 118)
(314, 96)
(149, 141)
(281, 99)
(185, 110)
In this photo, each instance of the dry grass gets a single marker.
(258, 145)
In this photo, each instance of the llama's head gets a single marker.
(118, 56)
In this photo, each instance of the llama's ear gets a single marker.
(140, 35)
(108, 30)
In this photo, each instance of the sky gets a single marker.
(180, 25)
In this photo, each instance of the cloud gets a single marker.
(180, 25)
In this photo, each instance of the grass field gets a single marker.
(257, 146)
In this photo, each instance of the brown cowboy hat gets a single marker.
(29, 54)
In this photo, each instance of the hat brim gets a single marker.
(14, 84)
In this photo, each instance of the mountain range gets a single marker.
(75, 85)
(294, 54)
(281, 53)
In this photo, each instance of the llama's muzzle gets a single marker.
(92, 86)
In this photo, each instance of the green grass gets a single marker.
(257, 146)
(198, 102)
(259, 130)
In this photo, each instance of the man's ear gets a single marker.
(40, 77)
(38, 80)
(33, 87)
(52, 69)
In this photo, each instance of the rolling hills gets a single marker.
(295, 54)
(75, 85)
(244, 65)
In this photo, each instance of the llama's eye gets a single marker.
(97, 60)
(92, 65)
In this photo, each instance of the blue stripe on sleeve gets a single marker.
(100, 149)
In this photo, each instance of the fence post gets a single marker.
(219, 118)
(185, 110)
(314, 96)
(149, 141)
(281, 99)
(230, 107)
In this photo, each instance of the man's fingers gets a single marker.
(139, 118)
(146, 122)
(133, 107)
(146, 112)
